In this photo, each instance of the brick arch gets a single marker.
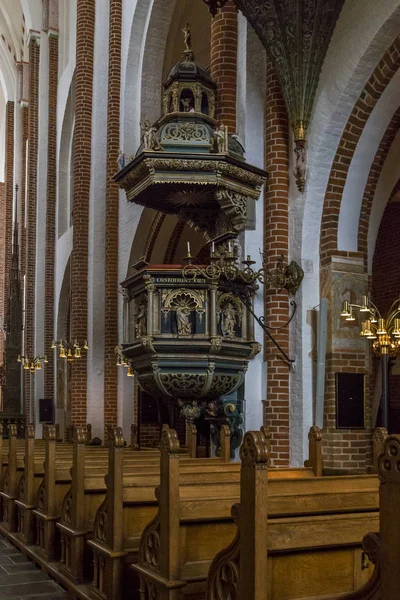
(173, 242)
(370, 95)
(153, 235)
(372, 182)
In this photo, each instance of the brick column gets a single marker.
(51, 214)
(276, 244)
(224, 38)
(23, 75)
(112, 199)
(81, 196)
(3, 295)
(22, 189)
(30, 269)
(9, 191)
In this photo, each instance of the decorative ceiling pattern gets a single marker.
(296, 35)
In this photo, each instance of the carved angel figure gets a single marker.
(220, 139)
(187, 38)
(182, 320)
(149, 136)
(121, 160)
(301, 162)
(187, 105)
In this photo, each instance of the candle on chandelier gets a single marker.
(188, 248)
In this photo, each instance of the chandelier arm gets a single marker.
(393, 315)
(260, 321)
(376, 308)
(397, 301)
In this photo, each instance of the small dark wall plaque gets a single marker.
(45, 410)
(148, 408)
(350, 395)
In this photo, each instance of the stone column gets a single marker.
(224, 39)
(31, 207)
(276, 243)
(81, 197)
(51, 25)
(112, 204)
(344, 278)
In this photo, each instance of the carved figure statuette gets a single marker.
(187, 38)
(149, 136)
(229, 320)
(221, 139)
(121, 160)
(141, 321)
(183, 320)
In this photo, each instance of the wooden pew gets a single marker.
(12, 475)
(85, 495)
(129, 505)
(378, 440)
(315, 451)
(382, 549)
(51, 492)
(313, 549)
(4, 463)
(29, 484)
(194, 520)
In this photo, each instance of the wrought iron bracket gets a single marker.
(245, 295)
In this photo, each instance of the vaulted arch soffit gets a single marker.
(150, 49)
(348, 126)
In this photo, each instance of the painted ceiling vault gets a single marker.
(296, 35)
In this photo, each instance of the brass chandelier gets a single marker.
(32, 364)
(69, 350)
(384, 333)
(122, 361)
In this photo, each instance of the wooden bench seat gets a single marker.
(51, 492)
(313, 550)
(246, 557)
(12, 475)
(117, 531)
(194, 520)
(86, 494)
(129, 505)
(29, 483)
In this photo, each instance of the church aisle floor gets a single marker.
(20, 579)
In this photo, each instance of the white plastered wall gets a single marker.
(66, 68)
(96, 289)
(251, 125)
(41, 192)
(144, 34)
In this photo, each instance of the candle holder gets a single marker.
(69, 350)
(122, 361)
(224, 264)
(32, 364)
(384, 334)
